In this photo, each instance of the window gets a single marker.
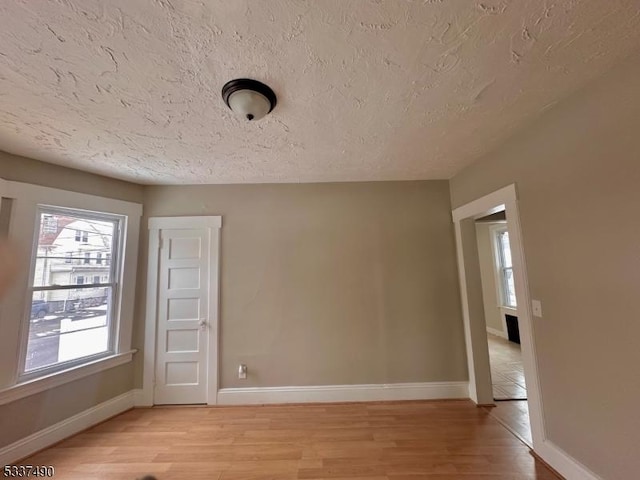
(82, 236)
(99, 258)
(53, 331)
(49, 224)
(505, 268)
(79, 322)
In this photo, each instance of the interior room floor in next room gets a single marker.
(507, 373)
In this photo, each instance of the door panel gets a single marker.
(183, 310)
(183, 341)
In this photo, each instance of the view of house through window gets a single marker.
(71, 303)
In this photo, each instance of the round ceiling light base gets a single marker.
(249, 98)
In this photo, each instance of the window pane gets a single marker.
(49, 224)
(506, 249)
(510, 288)
(66, 325)
(71, 249)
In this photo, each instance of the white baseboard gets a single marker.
(563, 463)
(497, 333)
(61, 430)
(343, 393)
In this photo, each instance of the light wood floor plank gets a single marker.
(375, 441)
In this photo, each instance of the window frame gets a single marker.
(500, 268)
(114, 272)
(22, 200)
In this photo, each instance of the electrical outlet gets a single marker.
(536, 306)
(242, 371)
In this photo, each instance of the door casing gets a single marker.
(476, 345)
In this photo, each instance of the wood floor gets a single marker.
(375, 441)
(507, 372)
(514, 414)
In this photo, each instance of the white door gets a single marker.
(183, 310)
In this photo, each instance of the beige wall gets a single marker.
(21, 169)
(350, 283)
(31, 414)
(577, 171)
(492, 312)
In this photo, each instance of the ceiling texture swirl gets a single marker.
(367, 90)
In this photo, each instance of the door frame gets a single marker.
(4, 187)
(213, 224)
(476, 347)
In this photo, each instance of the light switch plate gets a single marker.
(536, 306)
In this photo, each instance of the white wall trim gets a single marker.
(213, 349)
(149, 360)
(158, 223)
(343, 393)
(563, 463)
(4, 189)
(497, 333)
(56, 379)
(487, 205)
(61, 430)
(213, 223)
(505, 198)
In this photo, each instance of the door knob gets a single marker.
(203, 323)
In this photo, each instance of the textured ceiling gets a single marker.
(367, 90)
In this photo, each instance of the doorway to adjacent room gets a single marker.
(497, 314)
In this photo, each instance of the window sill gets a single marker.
(509, 310)
(56, 379)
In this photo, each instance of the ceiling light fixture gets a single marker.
(248, 98)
